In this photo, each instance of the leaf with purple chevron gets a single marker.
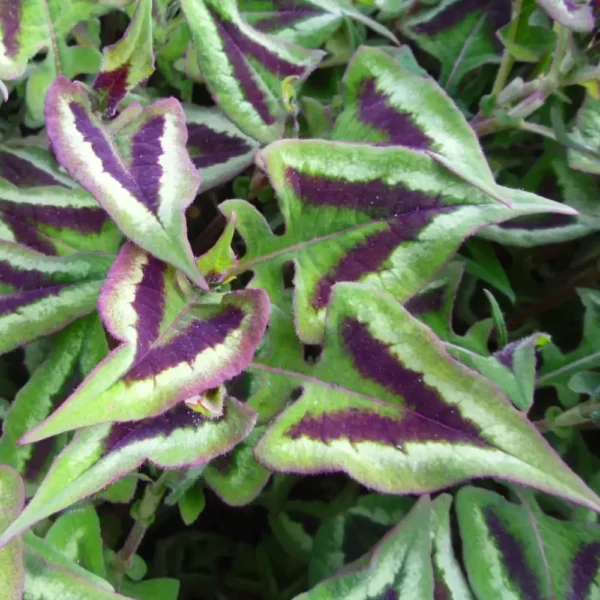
(141, 175)
(243, 68)
(128, 62)
(516, 551)
(218, 149)
(577, 16)
(102, 454)
(176, 344)
(388, 405)
(40, 294)
(461, 34)
(385, 216)
(43, 209)
(12, 568)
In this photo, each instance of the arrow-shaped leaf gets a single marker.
(142, 176)
(175, 345)
(398, 414)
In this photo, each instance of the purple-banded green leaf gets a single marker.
(243, 68)
(587, 133)
(398, 567)
(176, 344)
(142, 175)
(12, 499)
(43, 209)
(575, 15)
(40, 294)
(128, 62)
(218, 149)
(388, 217)
(386, 102)
(236, 477)
(102, 454)
(558, 367)
(461, 34)
(77, 535)
(388, 405)
(514, 551)
(71, 356)
(30, 26)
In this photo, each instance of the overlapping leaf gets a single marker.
(128, 62)
(40, 294)
(12, 569)
(518, 552)
(43, 209)
(387, 405)
(577, 16)
(102, 454)
(176, 344)
(218, 149)
(142, 176)
(244, 68)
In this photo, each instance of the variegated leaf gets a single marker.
(40, 294)
(43, 209)
(176, 344)
(218, 149)
(388, 217)
(519, 553)
(587, 133)
(243, 68)
(142, 175)
(102, 454)
(577, 16)
(12, 569)
(387, 405)
(128, 62)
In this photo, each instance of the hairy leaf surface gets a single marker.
(12, 569)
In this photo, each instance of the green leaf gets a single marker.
(587, 133)
(518, 552)
(244, 68)
(387, 405)
(12, 499)
(485, 265)
(191, 504)
(152, 589)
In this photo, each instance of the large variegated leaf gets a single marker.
(387, 405)
(128, 62)
(102, 454)
(176, 344)
(40, 294)
(218, 149)
(12, 570)
(577, 16)
(388, 217)
(244, 68)
(520, 553)
(43, 209)
(142, 175)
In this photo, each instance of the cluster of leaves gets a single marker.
(404, 292)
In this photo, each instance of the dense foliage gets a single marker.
(247, 241)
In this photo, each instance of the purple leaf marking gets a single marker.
(399, 127)
(390, 595)
(208, 147)
(536, 222)
(585, 568)
(10, 15)
(23, 173)
(21, 280)
(430, 301)
(11, 303)
(112, 84)
(513, 557)
(25, 233)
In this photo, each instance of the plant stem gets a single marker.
(148, 506)
(562, 45)
(578, 415)
(508, 59)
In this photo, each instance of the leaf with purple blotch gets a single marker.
(141, 175)
(177, 343)
(573, 14)
(399, 566)
(100, 455)
(461, 34)
(12, 499)
(236, 477)
(71, 356)
(128, 62)
(43, 209)
(386, 216)
(558, 367)
(243, 68)
(587, 133)
(512, 369)
(514, 551)
(41, 294)
(389, 406)
(218, 149)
